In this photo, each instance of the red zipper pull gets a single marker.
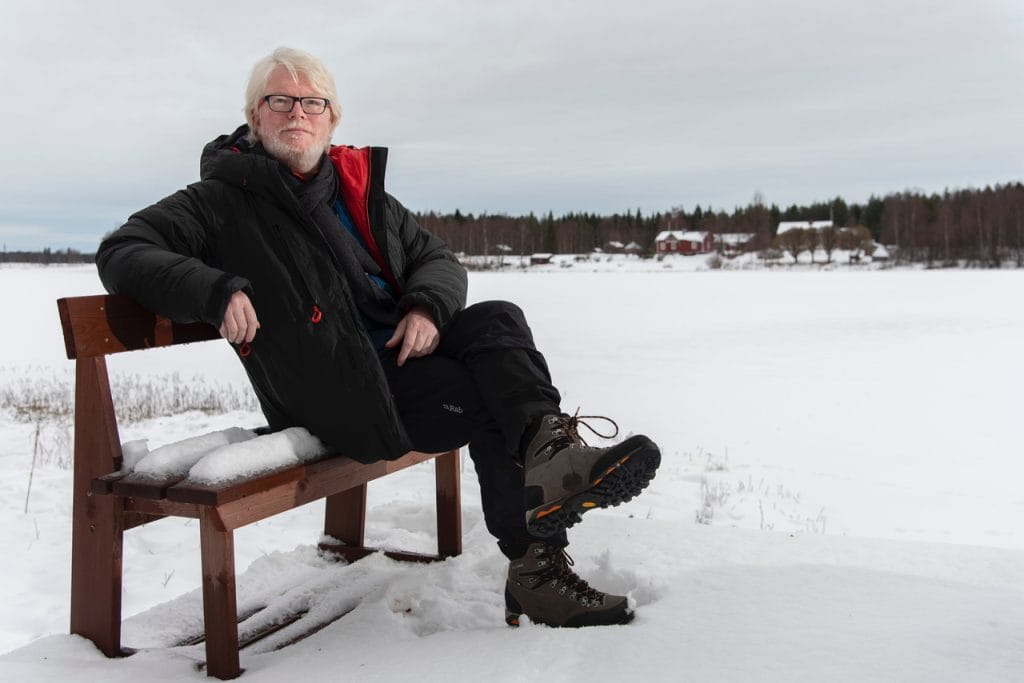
(317, 315)
(245, 349)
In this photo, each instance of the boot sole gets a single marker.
(619, 483)
(605, 617)
(611, 619)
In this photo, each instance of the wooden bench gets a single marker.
(108, 502)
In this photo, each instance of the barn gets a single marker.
(684, 242)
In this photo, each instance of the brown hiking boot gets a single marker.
(565, 477)
(542, 586)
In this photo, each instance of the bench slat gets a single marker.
(340, 477)
(335, 473)
(107, 323)
(354, 553)
(213, 495)
(139, 511)
(104, 485)
(136, 485)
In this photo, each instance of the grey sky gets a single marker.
(519, 106)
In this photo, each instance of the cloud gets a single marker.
(554, 105)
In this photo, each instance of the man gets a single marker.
(350, 320)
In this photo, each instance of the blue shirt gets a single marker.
(379, 332)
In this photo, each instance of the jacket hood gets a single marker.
(232, 158)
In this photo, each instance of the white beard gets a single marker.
(301, 160)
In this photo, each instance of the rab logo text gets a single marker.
(452, 408)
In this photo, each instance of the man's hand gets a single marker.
(417, 333)
(240, 323)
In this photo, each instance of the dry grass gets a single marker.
(45, 397)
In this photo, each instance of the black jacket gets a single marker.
(311, 363)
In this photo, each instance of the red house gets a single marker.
(684, 242)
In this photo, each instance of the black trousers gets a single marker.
(484, 385)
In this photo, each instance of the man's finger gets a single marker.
(251, 322)
(397, 336)
(231, 327)
(240, 327)
(413, 346)
(403, 354)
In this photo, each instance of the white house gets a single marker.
(786, 226)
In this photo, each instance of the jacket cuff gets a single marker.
(223, 287)
(413, 299)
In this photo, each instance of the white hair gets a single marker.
(298, 63)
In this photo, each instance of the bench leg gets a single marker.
(97, 524)
(96, 556)
(220, 609)
(449, 505)
(345, 516)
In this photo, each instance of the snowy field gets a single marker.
(841, 496)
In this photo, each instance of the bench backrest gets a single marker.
(108, 323)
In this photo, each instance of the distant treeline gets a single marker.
(46, 256)
(973, 226)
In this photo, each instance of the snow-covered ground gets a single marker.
(847, 438)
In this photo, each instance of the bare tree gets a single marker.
(856, 240)
(827, 236)
(793, 241)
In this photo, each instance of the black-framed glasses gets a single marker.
(285, 103)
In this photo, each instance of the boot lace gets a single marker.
(558, 572)
(566, 430)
